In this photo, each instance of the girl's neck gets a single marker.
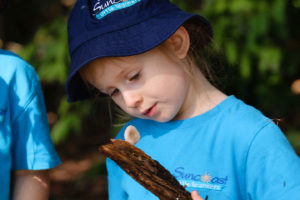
(201, 97)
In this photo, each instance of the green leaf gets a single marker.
(231, 52)
(245, 68)
(269, 59)
(296, 3)
(64, 126)
(293, 136)
(241, 6)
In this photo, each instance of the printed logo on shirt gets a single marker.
(101, 8)
(203, 181)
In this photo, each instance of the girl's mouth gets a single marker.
(151, 111)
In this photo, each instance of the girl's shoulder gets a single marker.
(242, 123)
(240, 114)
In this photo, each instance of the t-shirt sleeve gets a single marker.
(272, 168)
(32, 147)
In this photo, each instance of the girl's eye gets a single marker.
(114, 92)
(135, 76)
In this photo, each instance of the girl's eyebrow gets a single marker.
(123, 72)
(119, 75)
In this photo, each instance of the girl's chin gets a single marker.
(163, 118)
(158, 117)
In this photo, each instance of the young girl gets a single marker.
(148, 56)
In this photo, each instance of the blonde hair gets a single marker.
(201, 52)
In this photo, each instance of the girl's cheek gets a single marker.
(122, 105)
(119, 103)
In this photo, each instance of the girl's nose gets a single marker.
(132, 99)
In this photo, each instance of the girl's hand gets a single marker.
(196, 196)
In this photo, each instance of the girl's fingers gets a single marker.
(196, 196)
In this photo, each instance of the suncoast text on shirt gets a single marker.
(205, 180)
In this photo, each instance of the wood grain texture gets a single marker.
(146, 171)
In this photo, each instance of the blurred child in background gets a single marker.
(26, 149)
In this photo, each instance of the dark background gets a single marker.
(259, 43)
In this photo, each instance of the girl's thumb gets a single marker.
(196, 196)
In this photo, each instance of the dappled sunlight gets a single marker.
(40, 182)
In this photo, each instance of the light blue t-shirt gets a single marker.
(25, 141)
(230, 152)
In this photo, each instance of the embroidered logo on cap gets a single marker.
(101, 8)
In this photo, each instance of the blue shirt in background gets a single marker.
(25, 142)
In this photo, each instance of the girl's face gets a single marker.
(151, 85)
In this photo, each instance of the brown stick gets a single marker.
(146, 171)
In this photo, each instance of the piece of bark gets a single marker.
(146, 171)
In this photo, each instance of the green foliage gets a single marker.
(249, 31)
(294, 137)
(48, 51)
(69, 121)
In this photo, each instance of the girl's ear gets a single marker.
(179, 43)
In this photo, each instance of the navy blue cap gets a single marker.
(114, 28)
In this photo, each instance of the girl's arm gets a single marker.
(30, 185)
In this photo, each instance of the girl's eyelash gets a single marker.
(135, 76)
(114, 92)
